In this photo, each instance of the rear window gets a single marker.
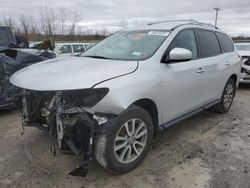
(225, 42)
(209, 45)
(78, 48)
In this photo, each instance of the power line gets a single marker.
(217, 9)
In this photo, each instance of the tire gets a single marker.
(227, 97)
(107, 152)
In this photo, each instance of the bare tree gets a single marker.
(48, 21)
(10, 22)
(104, 31)
(53, 22)
(79, 30)
(33, 26)
(25, 24)
(74, 20)
(63, 18)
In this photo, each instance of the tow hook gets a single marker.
(81, 170)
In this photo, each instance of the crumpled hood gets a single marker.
(24, 50)
(70, 73)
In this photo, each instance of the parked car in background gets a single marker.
(71, 49)
(243, 48)
(15, 55)
(33, 44)
(110, 102)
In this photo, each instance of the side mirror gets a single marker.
(180, 54)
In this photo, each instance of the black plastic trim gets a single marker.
(187, 115)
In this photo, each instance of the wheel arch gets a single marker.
(151, 107)
(234, 77)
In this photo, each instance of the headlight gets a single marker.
(84, 97)
(246, 60)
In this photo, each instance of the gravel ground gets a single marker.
(207, 150)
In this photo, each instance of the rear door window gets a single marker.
(209, 44)
(225, 42)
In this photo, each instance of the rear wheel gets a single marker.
(124, 144)
(227, 97)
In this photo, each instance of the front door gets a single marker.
(182, 81)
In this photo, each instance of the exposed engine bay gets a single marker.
(246, 64)
(65, 116)
(245, 68)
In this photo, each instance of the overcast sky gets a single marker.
(234, 16)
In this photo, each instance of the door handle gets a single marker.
(200, 70)
(227, 63)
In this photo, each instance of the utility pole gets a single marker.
(217, 9)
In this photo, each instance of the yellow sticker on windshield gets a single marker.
(138, 36)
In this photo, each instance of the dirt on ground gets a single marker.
(207, 150)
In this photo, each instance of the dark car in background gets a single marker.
(15, 55)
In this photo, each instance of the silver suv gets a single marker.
(110, 102)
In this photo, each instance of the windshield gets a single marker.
(128, 45)
(243, 47)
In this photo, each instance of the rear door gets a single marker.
(229, 59)
(212, 63)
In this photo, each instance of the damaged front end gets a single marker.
(66, 116)
(245, 69)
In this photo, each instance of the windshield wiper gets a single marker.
(96, 56)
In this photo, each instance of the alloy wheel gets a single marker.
(228, 97)
(130, 140)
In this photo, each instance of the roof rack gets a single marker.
(204, 24)
(170, 21)
(190, 21)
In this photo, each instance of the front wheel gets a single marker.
(123, 145)
(227, 97)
